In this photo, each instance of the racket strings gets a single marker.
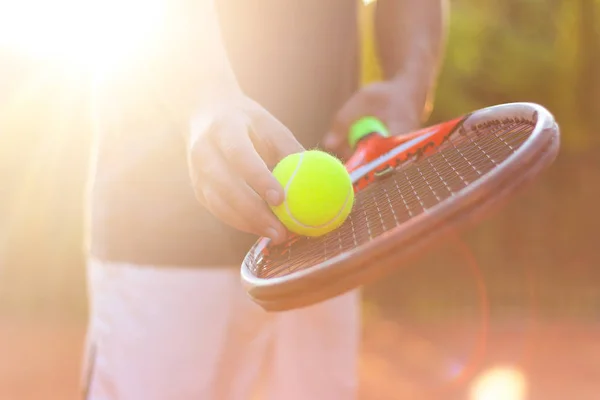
(408, 192)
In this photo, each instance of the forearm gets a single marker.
(411, 36)
(193, 58)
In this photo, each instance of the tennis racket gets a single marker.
(411, 191)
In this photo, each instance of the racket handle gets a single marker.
(369, 138)
(364, 127)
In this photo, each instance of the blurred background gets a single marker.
(508, 308)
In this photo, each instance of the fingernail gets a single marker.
(273, 197)
(273, 234)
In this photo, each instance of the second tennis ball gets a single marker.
(318, 193)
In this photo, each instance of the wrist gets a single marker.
(223, 90)
(418, 90)
(212, 104)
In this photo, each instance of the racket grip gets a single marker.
(364, 127)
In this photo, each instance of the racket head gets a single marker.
(498, 150)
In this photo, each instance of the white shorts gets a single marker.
(193, 334)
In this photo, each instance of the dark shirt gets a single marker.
(299, 59)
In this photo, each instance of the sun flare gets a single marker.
(500, 383)
(96, 34)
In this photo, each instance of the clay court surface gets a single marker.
(40, 360)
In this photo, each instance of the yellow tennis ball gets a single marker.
(318, 193)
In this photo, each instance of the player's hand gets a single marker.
(232, 146)
(397, 103)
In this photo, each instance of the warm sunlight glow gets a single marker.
(91, 33)
(499, 384)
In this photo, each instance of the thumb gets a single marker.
(402, 126)
(336, 141)
(276, 141)
(333, 140)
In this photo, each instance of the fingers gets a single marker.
(241, 155)
(336, 140)
(224, 212)
(230, 155)
(374, 100)
(229, 198)
(336, 144)
(274, 140)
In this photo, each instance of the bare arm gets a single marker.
(410, 38)
(192, 58)
(184, 82)
(231, 139)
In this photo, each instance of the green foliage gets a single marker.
(515, 50)
(539, 254)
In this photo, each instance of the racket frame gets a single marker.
(350, 269)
